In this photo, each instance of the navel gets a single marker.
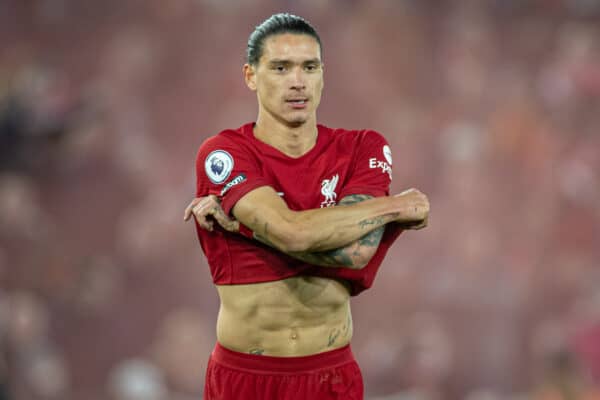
(294, 334)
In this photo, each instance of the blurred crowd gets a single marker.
(491, 107)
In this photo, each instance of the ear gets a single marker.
(250, 77)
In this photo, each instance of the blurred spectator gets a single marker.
(46, 375)
(563, 381)
(182, 347)
(35, 113)
(27, 322)
(137, 379)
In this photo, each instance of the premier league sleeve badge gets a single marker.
(218, 166)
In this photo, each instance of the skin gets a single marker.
(289, 68)
(301, 315)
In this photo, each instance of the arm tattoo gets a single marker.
(347, 256)
(384, 219)
(368, 222)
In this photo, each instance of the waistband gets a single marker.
(281, 365)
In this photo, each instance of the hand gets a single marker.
(414, 225)
(414, 207)
(203, 207)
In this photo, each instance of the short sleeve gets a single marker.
(372, 168)
(228, 170)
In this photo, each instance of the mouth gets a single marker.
(297, 103)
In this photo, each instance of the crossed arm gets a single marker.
(355, 255)
(345, 235)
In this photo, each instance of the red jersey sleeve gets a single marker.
(371, 174)
(372, 169)
(228, 170)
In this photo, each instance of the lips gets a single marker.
(302, 100)
(297, 103)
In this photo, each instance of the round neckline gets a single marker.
(248, 129)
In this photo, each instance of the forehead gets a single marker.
(290, 46)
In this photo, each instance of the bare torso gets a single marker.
(293, 317)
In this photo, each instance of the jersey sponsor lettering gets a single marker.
(235, 181)
(328, 190)
(218, 165)
(384, 166)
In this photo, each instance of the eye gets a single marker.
(279, 68)
(311, 67)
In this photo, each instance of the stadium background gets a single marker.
(492, 108)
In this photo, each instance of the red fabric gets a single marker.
(353, 162)
(333, 375)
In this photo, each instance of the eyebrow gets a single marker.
(287, 61)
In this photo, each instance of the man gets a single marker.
(312, 220)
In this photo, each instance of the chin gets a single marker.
(297, 120)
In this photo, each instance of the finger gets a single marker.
(204, 224)
(220, 216)
(200, 214)
(213, 198)
(423, 224)
(188, 210)
(203, 207)
(223, 219)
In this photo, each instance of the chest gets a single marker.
(310, 183)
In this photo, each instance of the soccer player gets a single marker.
(304, 219)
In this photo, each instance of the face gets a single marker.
(288, 78)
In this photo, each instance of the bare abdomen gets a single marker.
(292, 317)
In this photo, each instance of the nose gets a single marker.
(298, 81)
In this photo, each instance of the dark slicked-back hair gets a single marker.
(274, 25)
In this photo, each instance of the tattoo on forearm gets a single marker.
(355, 198)
(347, 255)
(372, 238)
(340, 256)
(257, 351)
(382, 220)
(369, 222)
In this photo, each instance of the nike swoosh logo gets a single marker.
(280, 194)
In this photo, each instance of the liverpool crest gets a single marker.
(328, 190)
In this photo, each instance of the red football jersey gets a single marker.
(341, 163)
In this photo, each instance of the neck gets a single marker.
(293, 141)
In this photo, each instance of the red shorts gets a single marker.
(333, 375)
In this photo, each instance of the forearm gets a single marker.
(319, 230)
(355, 255)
